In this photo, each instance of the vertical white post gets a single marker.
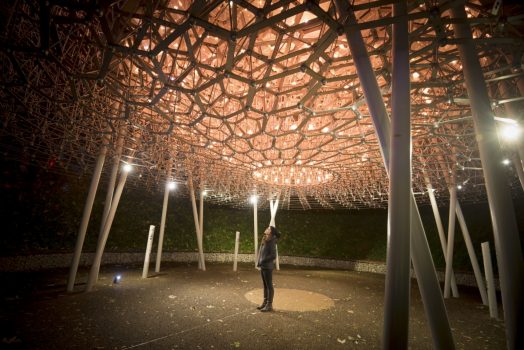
(237, 243)
(472, 255)
(488, 270)
(440, 229)
(163, 220)
(255, 228)
(197, 226)
(451, 239)
(201, 221)
(277, 260)
(149, 245)
(95, 268)
(86, 215)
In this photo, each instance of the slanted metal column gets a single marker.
(451, 237)
(163, 218)
(421, 255)
(112, 178)
(472, 254)
(397, 293)
(197, 226)
(88, 207)
(518, 145)
(440, 229)
(507, 241)
(95, 268)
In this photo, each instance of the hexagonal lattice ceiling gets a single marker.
(247, 95)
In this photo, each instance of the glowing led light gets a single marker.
(459, 187)
(171, 185)
(506, 161)
(416, 75)
(127, 168)
(510, 132)
(253, 199)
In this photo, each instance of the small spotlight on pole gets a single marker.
(253, 199)
(127, 168)
(171, 185)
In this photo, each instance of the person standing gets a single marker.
(266, 262)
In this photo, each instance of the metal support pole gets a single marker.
(255, 229)
(397, 293)
(163, 221)
(112, 178)
(440, 229)
(488, 270)
(507, 241)
(472, 254)
(517, 163)
(195, 217)
(518, 149)
(451, 239)
(237, 243)
(95, 268)
(86, 215)
(201, 221)
(420, 253)
(149, 245)
(273, 206)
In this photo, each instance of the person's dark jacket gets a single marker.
(267, 254)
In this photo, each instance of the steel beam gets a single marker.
(507, 241)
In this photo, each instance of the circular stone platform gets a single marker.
(293, 299)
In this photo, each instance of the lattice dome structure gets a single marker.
(249, 96)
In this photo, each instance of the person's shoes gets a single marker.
(262, 306)
(267, 308)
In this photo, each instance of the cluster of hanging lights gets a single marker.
(293, 176)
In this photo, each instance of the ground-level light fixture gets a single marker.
(253, 199)
(117, 279)
(127, 168)
(171, 185)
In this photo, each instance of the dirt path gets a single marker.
(184, 308)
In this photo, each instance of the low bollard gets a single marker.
(237, 242)
(148, 250)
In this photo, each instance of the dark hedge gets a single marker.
(41, 213)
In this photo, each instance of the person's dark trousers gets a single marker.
(267, 278)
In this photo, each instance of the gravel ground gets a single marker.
(184, 308)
